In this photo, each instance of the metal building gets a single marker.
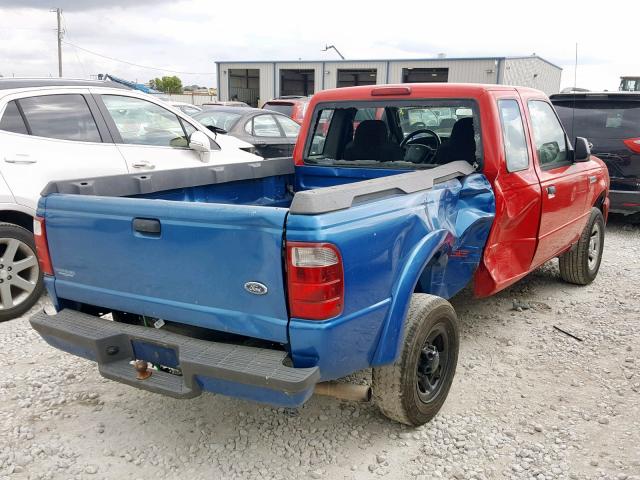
(255, 82)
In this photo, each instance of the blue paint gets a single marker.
(215, 238)
(204, 255)
(385, 246)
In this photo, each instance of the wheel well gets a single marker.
(600, 202)
(436, 267)
(23, 220)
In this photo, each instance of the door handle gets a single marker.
(551, 191)
(143, 164)
(147, 226)
(20, 158)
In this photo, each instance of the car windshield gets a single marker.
(407, 135)
(595, 119)
(217, 118)
(285, 108)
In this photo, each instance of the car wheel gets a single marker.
(580, 265)
(413, 389)
(20, 277)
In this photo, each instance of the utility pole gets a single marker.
(60, 34)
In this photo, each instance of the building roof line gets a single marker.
(535, 56)
(390, 60)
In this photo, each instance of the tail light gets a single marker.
(299, 113)
(42, 248)
(315, 280)
(633, 144)
(384, 91)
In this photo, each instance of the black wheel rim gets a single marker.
(433, 364)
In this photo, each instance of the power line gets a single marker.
(135, 64)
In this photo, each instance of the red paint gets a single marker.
(530, 227)
(633, 144)
(298, 107)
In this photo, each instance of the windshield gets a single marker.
(220, 119)
(415, 134)
(285, 108)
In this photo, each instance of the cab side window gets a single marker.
(548, 135)
(515, 142)
(12, 120)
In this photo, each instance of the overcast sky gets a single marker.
(189, 36)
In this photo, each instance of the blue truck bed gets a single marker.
(182, 246)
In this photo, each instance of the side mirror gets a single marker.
(582, 150)
(216, 130)
(199, 142)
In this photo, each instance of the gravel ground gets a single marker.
(528, 402)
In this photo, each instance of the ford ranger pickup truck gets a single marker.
(267, 280)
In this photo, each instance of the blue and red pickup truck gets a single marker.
(266, 280)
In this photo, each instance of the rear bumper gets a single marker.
(247, 372)
(625, 202)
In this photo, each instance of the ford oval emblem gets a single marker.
(256, 288)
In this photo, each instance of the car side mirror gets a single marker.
(216, 130)
(582, 150)
(199, 142)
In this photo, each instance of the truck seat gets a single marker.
(371, 142)
(461, 144)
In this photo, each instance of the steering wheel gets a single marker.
(412, 135)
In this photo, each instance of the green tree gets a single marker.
(167, 84)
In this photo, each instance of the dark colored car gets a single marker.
(611, 122)
(273, 134)
(293, 107)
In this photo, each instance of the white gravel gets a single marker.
(528, 402)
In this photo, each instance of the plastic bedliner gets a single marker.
(307, 202)
(161, 180)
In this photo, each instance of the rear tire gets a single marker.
(413, 389)
(21, 282)
(580, 265)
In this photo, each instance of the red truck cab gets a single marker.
(546, 185)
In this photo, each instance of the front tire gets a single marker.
(20, 277)
(580, 265)
(413, 389)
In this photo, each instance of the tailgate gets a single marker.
(107, 252)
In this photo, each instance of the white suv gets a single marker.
(56, 129)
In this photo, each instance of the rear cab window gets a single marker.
(403, 134)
